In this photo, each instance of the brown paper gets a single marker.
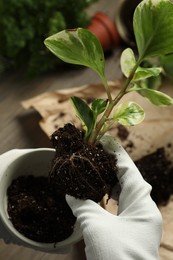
(167, 237)
(56, 109)
(165, 254)
(154, 132)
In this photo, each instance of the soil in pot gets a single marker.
(37, 212)
(37, 205)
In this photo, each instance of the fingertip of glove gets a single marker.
(73, 202)
(69, 198)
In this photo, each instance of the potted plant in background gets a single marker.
(24, 26)
(76, 148)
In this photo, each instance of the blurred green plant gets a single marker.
(24, 24)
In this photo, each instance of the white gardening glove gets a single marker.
(135, 233)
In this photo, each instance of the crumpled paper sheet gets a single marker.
(154, 132)
(56, 109)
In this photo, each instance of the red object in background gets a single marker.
(105, 30)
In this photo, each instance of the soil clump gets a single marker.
(81, 169)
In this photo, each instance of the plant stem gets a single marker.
(112, 104)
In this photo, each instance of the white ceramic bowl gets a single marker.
(35, 162)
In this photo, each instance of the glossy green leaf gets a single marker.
(78, 46)
(155, 97)
(143, 73)
(98, 106)
(129, 114)
(84, 113)
(127, 62)
(153, 27)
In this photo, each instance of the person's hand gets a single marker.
(135, 233)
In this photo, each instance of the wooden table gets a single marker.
(19, 128)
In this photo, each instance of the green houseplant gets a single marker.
(78, 152)
(81, 47)
(152, 23)
(24, 26)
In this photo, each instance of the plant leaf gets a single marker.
(167, 64)
(143, 73)
(153, 27)
(155, 97)
(78, 46)
(84, 113)
(98, 106)
(151, 83)
(129, 114)
(127, 62)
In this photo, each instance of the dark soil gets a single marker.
(155, 168)
(158, 171)
(122, 133)
(37, 212)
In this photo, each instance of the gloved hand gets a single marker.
(135, 233)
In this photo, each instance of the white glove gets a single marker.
(135, 233)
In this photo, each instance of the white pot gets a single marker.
(35, 162)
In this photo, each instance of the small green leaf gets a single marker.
(84, 113)
(143, 73)
(155, 97)
(127, 62)
(153, 27)
(153, 82)
(98, 106)
(150, 83)
(129, 114)
(78, 46)
(167, 64)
